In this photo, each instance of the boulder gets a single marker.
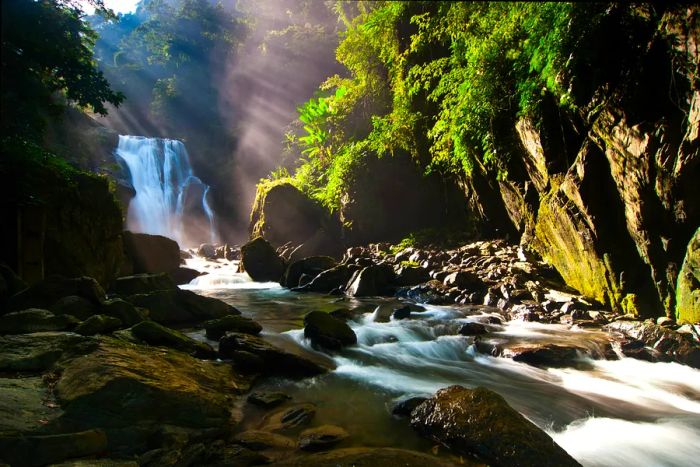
(274, 360)
(325, 331)
(371, 281)
(546, 355)
(311, 266)
(151, 253)
(216, 328)
(464, 280)
(149, 388)
(206, 250)
(143, 283)
(39, 351)
(73, 305)
(41, 450)
(181, 306)
(405, 407)
(123, 311)
(401, 313)
(472, 329)
(261, 261)
(478, 422)
(98, 324)
(153, 333)
(35, 320)
(258, 440)
(688, 285)
(411, 275)
(45, 293)
(289, 417)
(329, 279)
(184, 275)
(321, 438)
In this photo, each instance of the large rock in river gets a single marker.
(478, 422)
(261, 261)
(151, 253)
(181, 306)
(132, 391)
(326, 331)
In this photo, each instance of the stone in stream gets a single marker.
(270, 359)
(153, 333)
(35, 320)
(472, 329)
(311, 266)
(184, 275)
(259, 440)
(371, 281)
(403, 312)
(261, 261)
(98, 324)
(326, 331)
(330, 279)
(289, 418)
(547, 355)
(181, 306)
(321, 437)
(216, 328)
(405, 407)
(478, 422)
(268, 399)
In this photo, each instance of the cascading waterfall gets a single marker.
(168, 200)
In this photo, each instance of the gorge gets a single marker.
(349, 233)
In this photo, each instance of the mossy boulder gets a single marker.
(98, 324)
(73, 305)
(216, 328)
(328, 332)
(688, 286)
(39, 351)
(46, 293)
(41, 450)
(261, 261)
(181, 306)
(132, 391)
(153, 333)
(478, 422)
(123, 311)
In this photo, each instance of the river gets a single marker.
(623, 412)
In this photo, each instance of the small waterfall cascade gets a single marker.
(170, 200)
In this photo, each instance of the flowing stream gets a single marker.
(167, 192)
(622, 412)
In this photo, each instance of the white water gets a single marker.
(161, 174)
(604, 413)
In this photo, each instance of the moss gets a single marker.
(688, 285)
(630, 304)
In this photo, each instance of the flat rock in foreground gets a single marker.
(478, 422)
(367, 457)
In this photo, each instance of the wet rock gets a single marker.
(48, 449)
(258, 440)
(35, 320)
(98, 324)
(181, 306)
(149, 388)
(206, 250)
(143, 284)
(479, 422)
(463, 280)
(151, 253)
(261, 261)
(184, 275)
(491, 299)
(411, 275)
(40, 350)
(325, 331)
(268, 399)
(330, 279)
(665, 321)
(366, 457)
(321, 438)
(73, 305)
(274, 360)
(432, 292)
(472, 329)
(405, 407)
(311, 266)
(45, 293)
(236, 455)
(123, 311)
(545, 356)
(371, 281)
(401, 313)
(153, 333)
(291, 417)
(216, 328)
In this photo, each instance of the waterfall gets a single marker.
(170, 200)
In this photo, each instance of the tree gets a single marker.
(47, 59)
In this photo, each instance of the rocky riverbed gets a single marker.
(339, 365)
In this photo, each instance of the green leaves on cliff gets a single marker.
(446, 81)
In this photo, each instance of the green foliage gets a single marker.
(432, 238)
(446, 81)
(46, 59)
